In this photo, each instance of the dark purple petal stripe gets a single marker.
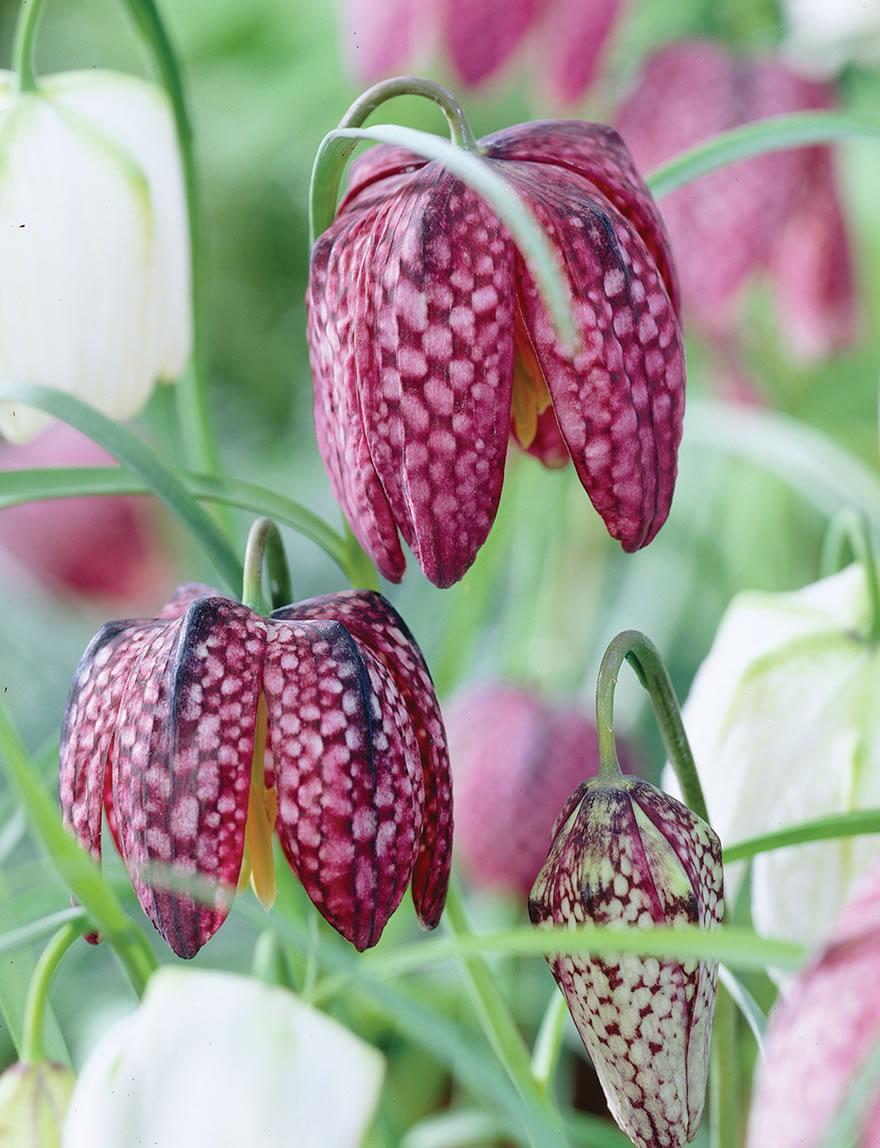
(438, 293)
(619, 402)
(374, 622)
(346, 771)
(89, 724)
(182, 760)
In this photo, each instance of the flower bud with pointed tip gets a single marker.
(33, 1101)
(627, 853)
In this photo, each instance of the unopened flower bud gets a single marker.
(33, 1101)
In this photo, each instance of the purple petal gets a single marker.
(483, 34)
(619, 402)
(573, 36)
(183, 598)
(181, 764)
(380, 35)
(374, 622)
(347, 773)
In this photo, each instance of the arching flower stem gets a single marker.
(26, 25)
(264, 545)
(32, 1049)
(459, 128)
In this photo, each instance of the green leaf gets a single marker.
(139, 458)
(853, 824)
(528, 235)
(775, 133)
(746, 1004)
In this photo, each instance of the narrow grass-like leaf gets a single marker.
(746, 1003)
(854, 824)
(775, 133)
(139, 458)
(528, 235)
(36, 930)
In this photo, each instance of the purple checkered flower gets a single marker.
(430, 345)
(629, 854)
(204, 729)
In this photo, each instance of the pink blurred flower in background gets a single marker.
(96, 547)
(480, 36)
(777, 213)
(822, 1033)
(515, 761)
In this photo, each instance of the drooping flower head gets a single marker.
(627, 853)
(201, 730)
(515, 759)
(779, 213)
(94, 299)
(821, 1034)
(430, 345)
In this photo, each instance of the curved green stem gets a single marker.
(32, 1050)
(264, 543)
(548, 1043)
(498, 1024)
(26, 25)
(645, 659)
(724, 1075)
(850, 527)
(459, 129)
(192, 404)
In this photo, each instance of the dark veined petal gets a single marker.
(619, 402)
(598, 154)
(436, 310)
(89, 724)
(482, 36)
(374, 622)
(182, 756)
(377, 174)
(335, 302)
(183, 598)
(347, 772)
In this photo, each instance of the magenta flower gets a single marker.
(481, 36)
(627, 853)
(778, 213)
(822, 1032)
(515, 759)
(201, 730)
(101, 548)
(429, 345)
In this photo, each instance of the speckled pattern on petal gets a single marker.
(374, 622)
(181, 763)
(347, 772)
(644, 1022)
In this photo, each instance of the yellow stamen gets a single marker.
(530, 395)
(258, 861)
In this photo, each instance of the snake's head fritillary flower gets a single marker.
(33, 1101)
(627, 853)
(94, 299)
(822, 1033)
(430, 346)
(764, 765)
(216, 1058)
(515, 759)
(778, 214)
(202, 730)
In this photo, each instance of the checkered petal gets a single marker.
(347, 771)
(182, 751)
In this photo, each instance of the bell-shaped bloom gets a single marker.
(97, 547)
(220, 1059)
(822, 38)
(784, 726)
(563, 39)
(33, 1101)
(779, 213)
(94, 299)
(430, 345)
(515, 759)
(822, 1033)
(627, 853)
(205, 728)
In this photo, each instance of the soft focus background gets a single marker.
(266, 80)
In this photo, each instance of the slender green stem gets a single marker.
(32, 1050)
(192, 403)
(26, 25)
(645, 659)
(498, 1024)
(459, 129)
(270, 963)
(548, 1043)
(264, 543)
(724, 1075)
(850, 527)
